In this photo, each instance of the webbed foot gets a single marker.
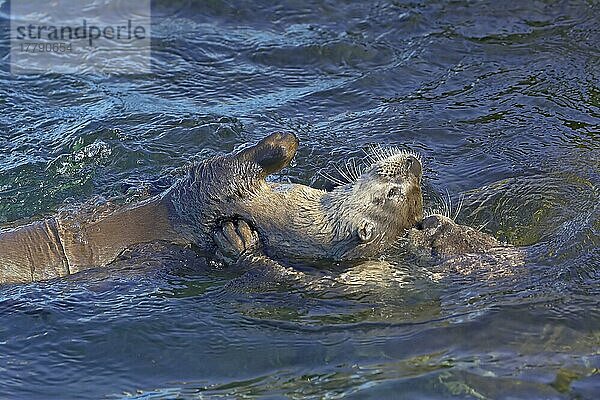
(272, 153)
(234, 239)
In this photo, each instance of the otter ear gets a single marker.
(365, 230)
(272, 153)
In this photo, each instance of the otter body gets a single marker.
(356, 220)
(69, 243)
(297, 221)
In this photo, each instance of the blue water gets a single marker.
(500, 98)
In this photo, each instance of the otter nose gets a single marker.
(414, 166)
(431, 222)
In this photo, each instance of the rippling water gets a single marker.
(500, 98)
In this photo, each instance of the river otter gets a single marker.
(356, 220)
(461, 249)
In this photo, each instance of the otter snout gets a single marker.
(414, 166)
(433, 222)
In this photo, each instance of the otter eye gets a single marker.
(394, 192)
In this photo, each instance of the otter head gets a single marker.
(438, 235)
(380, 201)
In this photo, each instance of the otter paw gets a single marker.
(233, 239)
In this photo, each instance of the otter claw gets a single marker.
(248, 236)
(234, 239)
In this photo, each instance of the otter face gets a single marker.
(392, 196)
(381, 203)
(443, 237)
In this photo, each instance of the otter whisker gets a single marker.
(331, 179)
(428, 212)
(356, 168)
(483, 226)
(386, 160)
(368, 157)
(445, 207)
(352, 169)
(343, 175)
(348, 172)
(449, 205)
(380, 153)
(461, 201)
